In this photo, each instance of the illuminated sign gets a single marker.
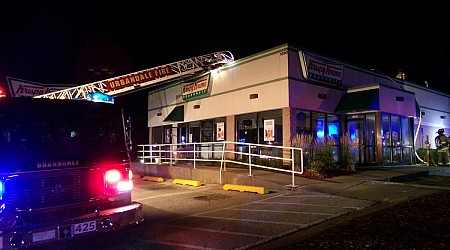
(194, 89)
(23, 88)
(318, 68)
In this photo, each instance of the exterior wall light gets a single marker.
(196, 106)
(253, 96)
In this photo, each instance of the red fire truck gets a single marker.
(64, 171)
(64, 157)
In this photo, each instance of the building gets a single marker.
(271, 96)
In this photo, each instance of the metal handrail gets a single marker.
(239, 153)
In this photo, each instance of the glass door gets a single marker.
(355, 128)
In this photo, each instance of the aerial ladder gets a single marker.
(135, 81)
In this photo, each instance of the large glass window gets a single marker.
(407, 139)
(397, 139)
(194, 132)
(247, 128)
(325, 128)
(370, 133)
(270, 127)
(318, 126)
(220, 129)
(303, 122)
(207, 131)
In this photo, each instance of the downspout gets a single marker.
(415, 136)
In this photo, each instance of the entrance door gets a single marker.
(355, 129)
(363, 137)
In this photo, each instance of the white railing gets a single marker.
(270, 157)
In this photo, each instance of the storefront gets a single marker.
(272, 96)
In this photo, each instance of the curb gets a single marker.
(244, 188)
(187, 182)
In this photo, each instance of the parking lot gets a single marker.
(209, 217)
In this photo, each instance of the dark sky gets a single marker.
(59, 43)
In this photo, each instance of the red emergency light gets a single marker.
(2, 92)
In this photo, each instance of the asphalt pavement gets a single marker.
(379, 186)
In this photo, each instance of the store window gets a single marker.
(397, 139)
(270, 127)
(206, 131)
(157, 135)
(370, 133)
(303, 122)
(220, 126)
(407, 139)
(247, 128)
(318, 125)
(194, 132)
(322, 127)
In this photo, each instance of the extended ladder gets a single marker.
(121, 84)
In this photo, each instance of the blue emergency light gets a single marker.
(100, 97)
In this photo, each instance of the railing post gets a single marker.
(301, 160)
(249, 160)
(194, 154)
(222, 166)
(171, 153)
(143, 154)
(160, 153)
(292, 185)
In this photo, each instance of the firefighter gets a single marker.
(442, 145)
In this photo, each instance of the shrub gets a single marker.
(422, 152)
(307, 143)
(348, 160)
(317, 155)
(324, 155)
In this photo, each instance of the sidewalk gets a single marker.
(272, 179)
(376, 183)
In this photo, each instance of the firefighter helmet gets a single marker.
(440, 131)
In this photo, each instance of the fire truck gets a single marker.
(65, 169)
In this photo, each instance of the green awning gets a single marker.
(365, 100)
(176, 115)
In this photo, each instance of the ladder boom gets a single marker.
(122, 84)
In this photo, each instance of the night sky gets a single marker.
(69, 43)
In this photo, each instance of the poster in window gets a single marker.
(269, 132)
(220, 131)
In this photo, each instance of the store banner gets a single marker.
(220, 131)
(195, 89)
(315, 67)
(269, 132)
(23, 88)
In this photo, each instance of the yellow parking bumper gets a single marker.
(244, 188)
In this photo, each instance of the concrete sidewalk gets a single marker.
(384, 186)
(258, 177)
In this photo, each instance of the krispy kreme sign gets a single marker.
(23, 88)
